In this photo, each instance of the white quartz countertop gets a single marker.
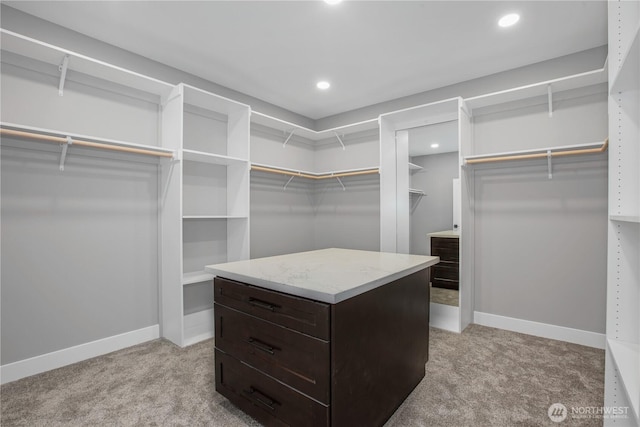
(328, 275)
(454, 234)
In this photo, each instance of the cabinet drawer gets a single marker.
(300, 314)
(446, 270)
(446, 248)
(445, 283)
(298, 360)
(270, 402)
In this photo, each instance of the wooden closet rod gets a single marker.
(282, 172)
(601, 149)
(306, 175)
(61, 140)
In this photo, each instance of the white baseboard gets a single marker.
(57, 359)
(444, 316)
(545, 330)
(198, 326)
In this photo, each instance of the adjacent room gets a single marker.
(320, 213)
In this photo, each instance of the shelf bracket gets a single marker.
(290, 179)
(63, 155)
(288, 138)
(549, 164)
(339, 140)
(340, 181)
(550, 100)
(63, 74)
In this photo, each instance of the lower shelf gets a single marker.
(626, 357)
(198, 326)
(196, 277)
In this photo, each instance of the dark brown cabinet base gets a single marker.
(446, 274)
(293, 361)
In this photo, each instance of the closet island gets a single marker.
(328, 337)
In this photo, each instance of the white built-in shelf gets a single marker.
(77, 136)
(517, 153)
(413, 167)
(312, 175)
(626, 357)
(206, 217)
(562, 84)
(288, 127)
(627, 77)
(215, 159)
(211, 101)
(415, 192)
(50, 54)
(625, 218)
(196, 277)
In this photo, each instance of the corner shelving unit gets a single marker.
(206, 205)
(622, 366)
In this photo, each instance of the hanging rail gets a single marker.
(545, 155)
(65, 140)
(314, 176)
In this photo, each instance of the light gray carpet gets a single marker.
(482, 377)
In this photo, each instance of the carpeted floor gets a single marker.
(482, 377)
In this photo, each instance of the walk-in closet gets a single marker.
(251, 213)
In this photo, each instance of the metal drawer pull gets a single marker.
(260, 397)
(261, 345)
(262, 304)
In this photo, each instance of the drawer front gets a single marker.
(446, 248)
(264, 398)
(445, 283)
(446, 270)
(295, 359)
(299, 314)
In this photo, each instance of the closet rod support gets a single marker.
(339, 140)
(340, 181)
(290, 179)
(63, 155)
(63, 74)
(550, 100)
(549, 155)
(288, 138)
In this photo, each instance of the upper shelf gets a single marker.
(288, 127)
(576, 81)
(627, 77)
(211, 101)
(50, 54)
(215, 159)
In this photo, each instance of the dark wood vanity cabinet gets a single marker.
(446, 274)
(287, 360)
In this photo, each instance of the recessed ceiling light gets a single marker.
(323, 85)
(509, 20)
(435, 145)
(332, 1)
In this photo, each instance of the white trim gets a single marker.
(198, 326)
(57, 359)
(444, 316)
(545, 330)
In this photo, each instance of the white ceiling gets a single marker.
(370, 51)
(445, 134)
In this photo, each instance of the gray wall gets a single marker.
(434, 211)
(79, 250)
(313, 214)
(540, 251)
